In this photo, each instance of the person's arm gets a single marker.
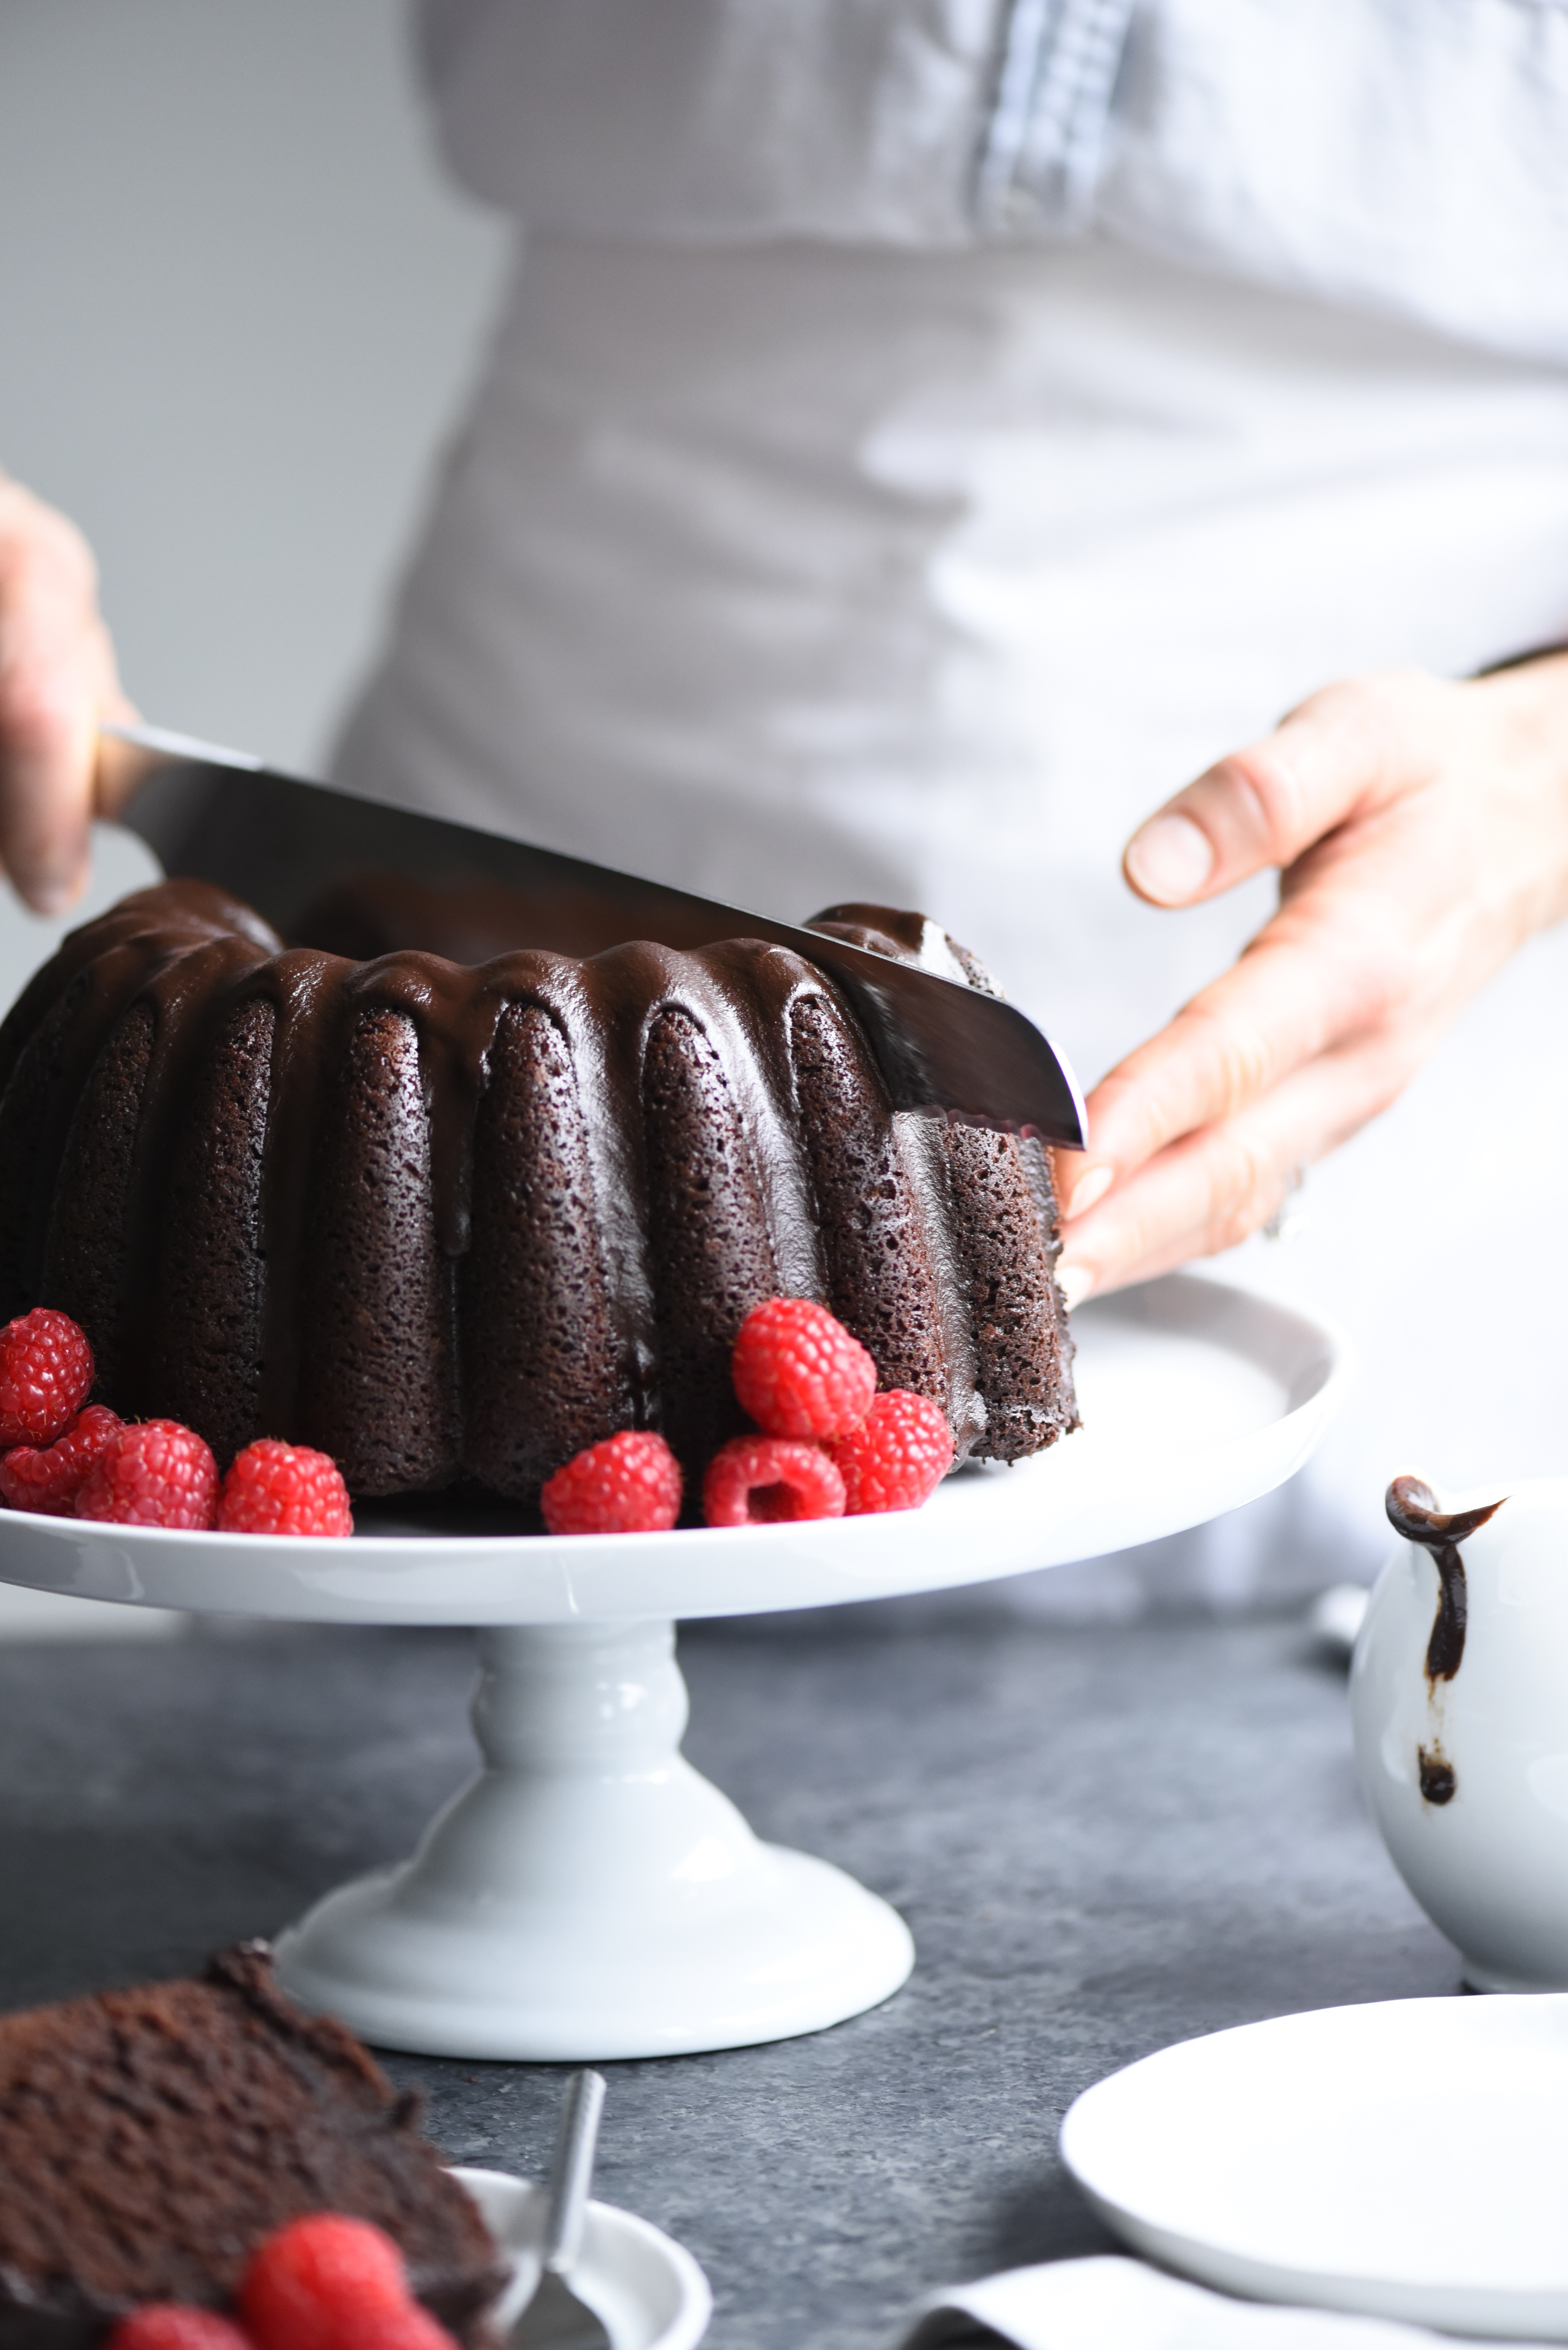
(1421, 832)
(58, 681)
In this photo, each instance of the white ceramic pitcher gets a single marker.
(1459, 1701)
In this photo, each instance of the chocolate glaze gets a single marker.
(468, 922)
(282, 1232)
(906, 938)
(1438, 1784)
(1413, 1512)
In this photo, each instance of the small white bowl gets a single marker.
(649, 2291)
(1467, 1775)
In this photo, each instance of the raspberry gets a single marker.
(897, 1456)
(629, 1484)
(46, 1376)
(756, 1481)
(170, 2325)
(798, 1371)
(408, 2327)
(321, 2283)
(47, 1479)
(273, 1488)
(155, 1473)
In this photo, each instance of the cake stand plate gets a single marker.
(589, 1895)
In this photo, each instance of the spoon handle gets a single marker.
(571, 2173)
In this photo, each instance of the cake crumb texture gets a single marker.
(150, 2139)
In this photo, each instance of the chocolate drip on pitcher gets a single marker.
(1413, 1512)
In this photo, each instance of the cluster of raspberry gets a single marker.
(828, 1445)
(66, 1458)
(325, 2282)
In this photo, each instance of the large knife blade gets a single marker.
(285, 845)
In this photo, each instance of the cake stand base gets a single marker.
(589, 1895)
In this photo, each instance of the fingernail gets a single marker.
(1075, 1283)
(1091, 1185)
(1171, 858)
(54, 883)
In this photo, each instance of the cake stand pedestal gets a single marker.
(590, 1896)
(589, 1893)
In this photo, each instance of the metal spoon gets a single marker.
(556, 2319)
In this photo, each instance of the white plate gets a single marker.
(1405, 2159)
(1196, 1397)
(647, 2289)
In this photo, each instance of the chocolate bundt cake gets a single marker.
(451, 1223)
(151, 2139)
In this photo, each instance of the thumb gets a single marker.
(49, 708)
(1343, 751)
(56, 675)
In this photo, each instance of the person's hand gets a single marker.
(1421, 832)
(58, 681)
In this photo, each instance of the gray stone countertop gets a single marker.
(1105, 1838)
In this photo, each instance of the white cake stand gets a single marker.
(589, 1895)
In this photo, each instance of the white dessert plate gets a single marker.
(647, 2290)
(1404, 2159)
(1196, 1397)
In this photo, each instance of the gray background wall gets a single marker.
(238, 307)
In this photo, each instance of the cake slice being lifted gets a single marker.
(151, 2139)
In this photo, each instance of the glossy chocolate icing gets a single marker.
(1413, 1512)
(1435, 1775)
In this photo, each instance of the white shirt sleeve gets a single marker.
(1402, 156)
(723, 121)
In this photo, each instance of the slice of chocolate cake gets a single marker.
(151, 2139)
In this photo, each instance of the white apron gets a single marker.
(839, 526)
